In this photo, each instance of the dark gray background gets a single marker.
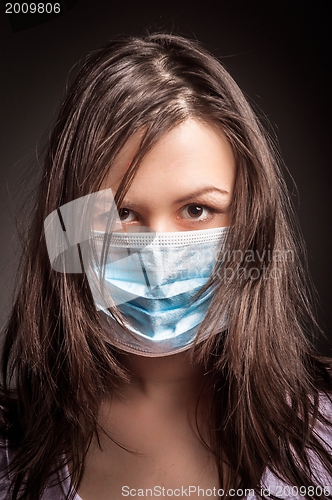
(277, 51)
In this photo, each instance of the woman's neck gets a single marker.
(168, 380)
(155, 432)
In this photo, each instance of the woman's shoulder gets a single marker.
(57, 488)
(4, 464)
(322, 428)
(273, 485)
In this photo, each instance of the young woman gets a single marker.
(159, 344)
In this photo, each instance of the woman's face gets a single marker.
(184, 183)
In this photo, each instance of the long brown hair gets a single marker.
(57, 362)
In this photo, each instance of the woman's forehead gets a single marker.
(188, 153)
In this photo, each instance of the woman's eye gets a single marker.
(196, 212)
(126, 215)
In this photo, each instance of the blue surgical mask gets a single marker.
(154, 279)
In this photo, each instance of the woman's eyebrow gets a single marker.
(201, 192)
(195, 194)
